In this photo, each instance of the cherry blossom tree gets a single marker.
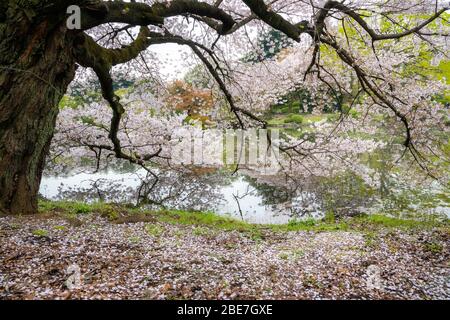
(369, 66)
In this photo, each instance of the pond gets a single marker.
(233, 195)
(245, 195)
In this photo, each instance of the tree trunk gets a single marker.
(36, 66)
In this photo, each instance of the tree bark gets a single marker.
(36, 67)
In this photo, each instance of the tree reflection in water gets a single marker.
(246, 195)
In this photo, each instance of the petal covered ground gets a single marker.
(159, 260)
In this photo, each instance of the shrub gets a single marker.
(295, 106)
(285, 109)
(294, 118)
(351, 112)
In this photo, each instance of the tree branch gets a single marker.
(141, 14)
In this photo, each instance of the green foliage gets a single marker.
(70, 102)
(269, 45)
(297, 101)
(209, 219)
(276, 121)
(123, 92)
(346, 110)
(330, 217)
(81, 208)
(301, 101)
(345, 193)
(294, 118)
(198, 77)
(122, 81)
(421, 63)
(399, 198)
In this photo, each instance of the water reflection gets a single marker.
(246, 195)
(235, 195)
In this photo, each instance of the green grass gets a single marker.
(370, 238)
(277, 121)
(74, 208)
(295, 254)
(69, 207)
(434, 247)
(40, 233)
(205, 221)
(201, 231)
(311, 225)
(399, 223)
(154, 230)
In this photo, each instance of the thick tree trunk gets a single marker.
(36, 66)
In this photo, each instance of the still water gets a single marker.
(223, 193)
(246, 195)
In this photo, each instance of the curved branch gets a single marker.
(141, 14)
(375, 36)
(276, 21)
(89, 53)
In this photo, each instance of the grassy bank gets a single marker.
(124, 214)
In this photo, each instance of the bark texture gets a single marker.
(36, 67)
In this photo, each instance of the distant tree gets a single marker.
(198, 77)
(186, 98)
(270, 44)
(123, 81)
